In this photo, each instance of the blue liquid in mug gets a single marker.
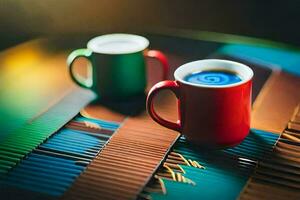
(213, 78)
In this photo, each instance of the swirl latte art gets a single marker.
(213, 78)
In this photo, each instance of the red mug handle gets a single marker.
(163, 85)
(161, 58)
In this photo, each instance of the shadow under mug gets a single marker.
(212, 116)
(117, 69)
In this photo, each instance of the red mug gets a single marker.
(209, 115)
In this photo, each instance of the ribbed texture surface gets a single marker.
(54, 165)
(16, 145)
(224, 173)
(126, 164)
(278, 177)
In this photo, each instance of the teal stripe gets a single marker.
(288, 60)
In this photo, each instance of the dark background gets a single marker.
(25, 19)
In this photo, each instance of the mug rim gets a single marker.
(143, 43)
(242, 70)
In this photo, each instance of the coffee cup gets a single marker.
(214, 102)
(117, 68)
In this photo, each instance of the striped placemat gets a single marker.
(128, 161)
(50, 169)
(278, 176)
(17, 144)
(193, 173)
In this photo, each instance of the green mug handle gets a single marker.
(84, 53)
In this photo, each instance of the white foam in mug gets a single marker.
(118, 44)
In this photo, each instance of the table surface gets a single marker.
(34, 78)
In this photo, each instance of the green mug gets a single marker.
(117, 65)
